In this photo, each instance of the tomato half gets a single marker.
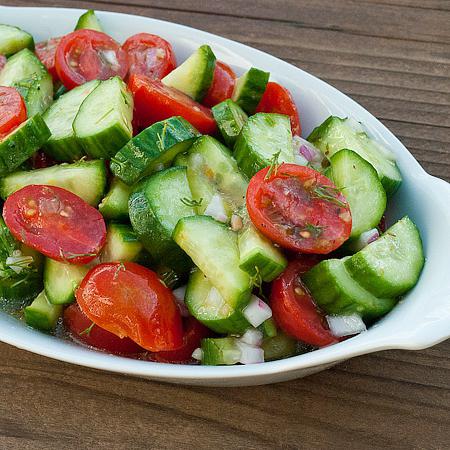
(130, 300)
(12, 110)
(294, 310)
(82, 329)
(154, 102)
(85, 55)
(55, 222)
(46, 52)
(149, 55)
(277, 99)
(299, 208)
(2, 61)
(222, 85)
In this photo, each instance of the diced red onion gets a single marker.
(306, 154)
(236, 222)
(179, 294)
(365, 239)
(252, 337)
(346, 325)
(216, 209)
(256, 312)
(197, 354)
(250, 354)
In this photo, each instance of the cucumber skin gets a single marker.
(41, 314)
(251, 93)
(114, 205)
(230, 119)
(89, 21)
(122, 244)
(214, 348)
(279, 347)
(8, 48)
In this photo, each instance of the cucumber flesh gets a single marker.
(249, 89)
(181, 160)
(230, 119)
(220, 351)
(115, 204)
(13, 39)
(279, 347)
(268, 328)
(122, 244)
(42, 314)
(89, 21)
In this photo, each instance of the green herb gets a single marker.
(69, 256)
(315, 230)
(328, 193)
(273, 167)
(257, 281)
(162, 138)
(120, 267)
(191, 202)
(87, 331)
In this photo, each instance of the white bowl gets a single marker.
(421, 320)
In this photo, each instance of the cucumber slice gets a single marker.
(20, 144)
(122, 244)
(115, 204)
(336, 134)
(87, 179)
(63, 145)
(195, 75)
(212, 170)
(359, 182)
(156, 205)
(60, 89)
(207, 305)
(220, 351)
(89, 21)
(103, 123)
(155, 146)
(181, 160)
(42, 314)
(250, 88)
(213, 248)
(279, 347)
(13, 39)
(391, 265)
(263, 136)
(268, 328)
(230, 119)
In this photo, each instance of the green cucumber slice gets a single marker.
(181, 160)
(63, 145)
(122, 244)
(250, 88)
(195, 75)
(103, 122)
(263, 136)
(87, 179)
(156, 146)
(268, 328)
(89, 21)
(42, 314)
(114, 205)
(279, 347)
(13, 39)
(220, 351)
(230, 119)
(391, 265)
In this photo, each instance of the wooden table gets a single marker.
(393, 57)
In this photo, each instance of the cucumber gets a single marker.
(336, 134)
(13, 39)
(181, 160)
(63, 145)
(60, 89)
(250, 88)
(214, 249)
(21, 143)
(359, 182)
(88, 21)
(268, 328)
(195, 75)
(220, 351)
(122, 244)
(391, 265)
(207, 305)
(230, 119)
(115, 204)
(263, 136)
(279, 347)
(29, 76)
(155, 146)
(103, 122)
(156, 205)
(42, 314)
(87, 179)
(212, 170)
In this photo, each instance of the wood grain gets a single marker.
(393, 57)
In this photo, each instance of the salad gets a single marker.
(173, 212)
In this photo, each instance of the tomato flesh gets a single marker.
(46, 52)
(55, 222)
(222, 85)
(154, 102)
(277, 99)
(12, 110)
(129, 300)
(2, 61)
(85, 55)
(299, 208)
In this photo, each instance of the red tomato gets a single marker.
(84, 330)
(2, 61)
(149, 55)
(299, 208)
(85, 55)
(154, 102)
(40, 160)
(46, 52)
(130, 300)
(277, 99)
(12, 110)
(294, 310)
(222, 85)
(55, 222)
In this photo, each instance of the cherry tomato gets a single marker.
(85, 55)
(2, 61)
(40, 160)
(12, 110)
(46, 52)
(149, 55)
(277, 99)
(84, 330)
(294, 310)
(154, 102)
(55, 222)
(130, 300)
(222, 85)
(299, 208)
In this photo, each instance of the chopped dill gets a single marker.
(328, 193)
(87, 331)
(273, 167)
(191, 202)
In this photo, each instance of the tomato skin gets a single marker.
(130, 300)
(299, 208)
(277, 99)
(81, 57)
(293, 308)
(46, 52)
(2, 61)
(222, 85)
(154, 102)
(12, 110)
(55, 222)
